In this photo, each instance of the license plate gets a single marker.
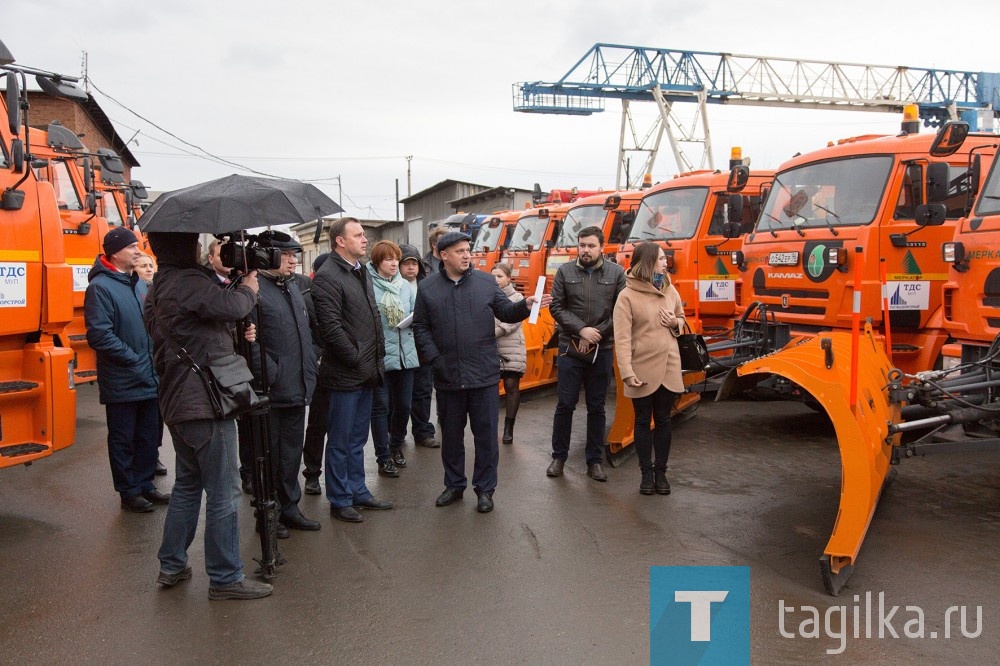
(783, 259)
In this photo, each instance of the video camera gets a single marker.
(248, 252)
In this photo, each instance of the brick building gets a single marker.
(86, 119)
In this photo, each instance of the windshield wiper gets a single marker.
(827, 219)
(769, 227)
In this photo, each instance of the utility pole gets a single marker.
(397, 198)
(409, 191)
(340, 196)
(84, 73)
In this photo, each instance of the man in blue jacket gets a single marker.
(453, 325)
(126, 380)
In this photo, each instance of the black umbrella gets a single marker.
(236, 202)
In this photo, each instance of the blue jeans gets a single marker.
(206, 462)
(420, 407)
(391, 412)
(348, 420)
(594, 378)
(480, 406)
(133, 438)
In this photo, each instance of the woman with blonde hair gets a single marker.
(648, 316)
(513, 356)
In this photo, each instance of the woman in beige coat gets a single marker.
(648, 316)
(513, 355)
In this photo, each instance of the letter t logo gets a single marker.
(701, 611)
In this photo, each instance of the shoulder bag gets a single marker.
(694, 351)
(227, 381)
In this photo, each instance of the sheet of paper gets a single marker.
(537, 305)
(407, 320)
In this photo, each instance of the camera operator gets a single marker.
(285, 337)
(186, 310)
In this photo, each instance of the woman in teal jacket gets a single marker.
(391, 405)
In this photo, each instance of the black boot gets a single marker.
(646, 486)
(662, 485)
(508, 431)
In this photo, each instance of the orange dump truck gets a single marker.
(37, 388)
(846, 260)
(492, 239)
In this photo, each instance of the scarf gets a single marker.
(389, 304)
(658, 281)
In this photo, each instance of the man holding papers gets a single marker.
(453, 326)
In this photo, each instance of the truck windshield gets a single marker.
(580, 218)
(530, 230)
(111, 212)
(989, 201)
(489, 237)
(669, 214)
(842, 192)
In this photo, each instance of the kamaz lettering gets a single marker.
(784, 276)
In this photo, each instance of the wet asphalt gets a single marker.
(558, 573)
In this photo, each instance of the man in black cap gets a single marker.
(285, 334)
(127, 383)
(453, 325)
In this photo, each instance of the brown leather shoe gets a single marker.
(596, 472)
(555, 468)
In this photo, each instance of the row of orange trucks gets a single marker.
(861, 279)
(58, 201)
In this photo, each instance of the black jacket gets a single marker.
(286, 336)
(581, 299)
(348, 320)
(453, 326)
(188, 305)
(112, 311)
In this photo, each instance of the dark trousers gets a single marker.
(245, 448)
(133, 439)
(349, 418)
(594, 378)
(391, 412)
(287, 429)
(313, 449)
(420, 406)
(647, 441)
(479, 407)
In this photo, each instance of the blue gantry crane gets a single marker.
(668, 76)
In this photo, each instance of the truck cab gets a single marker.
(493, 238)
(612, 213)
(853, 206)
(695, 217)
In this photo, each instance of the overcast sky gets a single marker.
(319, 90)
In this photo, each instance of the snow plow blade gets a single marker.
(822, 367)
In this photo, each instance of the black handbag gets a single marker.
(227, 382)
(694, 351)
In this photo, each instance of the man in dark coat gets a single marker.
(112, 311)
(453, 325)
(315, 440)
(583, 302)
(352, 366)
(186, 310)
(285, 334)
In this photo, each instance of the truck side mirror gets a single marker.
(88, 174)
(938, 181)
(739, 176)
(931, 215)
(612, 202)
(91, 203)
(17, 155)
(13, 103)
(949, 138)
(734, 208)
(110, 161)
